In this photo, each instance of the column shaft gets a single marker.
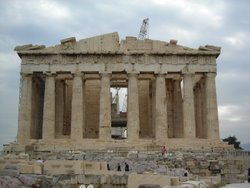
(59, 109)
(133, 107)
(161, 132)
(178, 115)
(211, 107)
(198, 111)
(188, 107)
(77, 115)
(203, 109)
(49, 108)
(105, 108)
(25, 109)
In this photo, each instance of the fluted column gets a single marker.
(105, 108)
(212, 122)
(161, 131)
(198, 111)
(77, 115)
(25, 109)
(188, 106)
(49, 108)
(133, 107)
(178, 115)
(203, 108)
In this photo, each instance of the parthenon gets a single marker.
(66, 99)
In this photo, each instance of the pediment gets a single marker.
(110, 44)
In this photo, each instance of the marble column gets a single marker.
(198, 111)
(212, 122)
(161, 130)
(60, 103)
(188, 106)
(49, 108)
(25, 109)
(178, 115)
(133, 123)
(105, 108)
(77, 115)
(203, 108)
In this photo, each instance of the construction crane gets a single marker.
(144, 29)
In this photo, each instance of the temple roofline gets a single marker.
(110, 44)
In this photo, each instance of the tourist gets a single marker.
(163, 150)
(108, 167)
(119, 167)
(126, 167)
(40, 161)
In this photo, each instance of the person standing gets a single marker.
(163, 150)
(126, 167)
(119, 167)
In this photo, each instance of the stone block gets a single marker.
(190, 163)
(63, 167)
(134, 180)
(204, 164)
(26, 169)
(124, 180)
(195, 170)
(149, 186)
(91, 165)
(174, 181)
(142, 155)
(104, 179)
(241, 176)
(92, 179)
(2, 164)
(115, 180)
(183, 179)
(73, 180)
(103, 165)
(37, 169)
(8, 172)
(204, 172)
(235, 171)
(80, 178)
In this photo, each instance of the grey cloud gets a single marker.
(24, 22)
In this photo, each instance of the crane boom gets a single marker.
(144, 29)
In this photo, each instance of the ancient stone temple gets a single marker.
(66, 100)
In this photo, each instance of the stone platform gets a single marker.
(91, 165)
(120, 145)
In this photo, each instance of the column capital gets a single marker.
(210, 74)
(177, 78)
(24, 74)
(105, 74)
(49, 73)
(133, 74)
(161, 74)
(188, 73)
(79, 74)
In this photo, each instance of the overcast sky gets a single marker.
(224, 23)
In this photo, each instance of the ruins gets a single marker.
(66, 101)
(90, 106)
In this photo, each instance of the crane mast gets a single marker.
(144, 29)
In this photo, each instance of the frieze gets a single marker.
(192, 59)
(120, 59)
(204, 60)
(33, 59)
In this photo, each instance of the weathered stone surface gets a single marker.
(134, 180)
(78, 107)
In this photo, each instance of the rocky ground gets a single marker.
(229, 166)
